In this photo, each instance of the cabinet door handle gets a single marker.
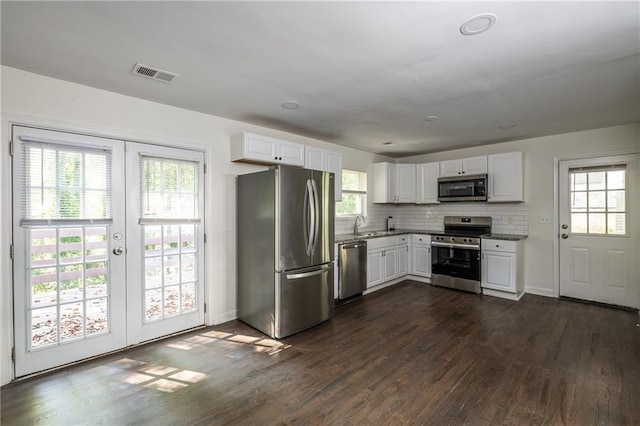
(482, 256)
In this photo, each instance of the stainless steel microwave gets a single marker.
(462, 188)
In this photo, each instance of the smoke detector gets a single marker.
(154, 73)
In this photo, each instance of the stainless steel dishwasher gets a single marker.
(353, 269)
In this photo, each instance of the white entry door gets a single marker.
(108, 245)
(598, 233)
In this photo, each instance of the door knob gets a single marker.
(118, 251)
(565, 226)
(564, 236)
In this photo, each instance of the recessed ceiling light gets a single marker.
(507, 126)
(431, 118)
(290, 105)
(478, 24)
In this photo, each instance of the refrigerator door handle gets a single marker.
(308, 274)
(309, 217)
(315, 215)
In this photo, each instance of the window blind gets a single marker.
(65, 185)
(169, 190)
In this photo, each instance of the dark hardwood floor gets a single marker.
(409, 354)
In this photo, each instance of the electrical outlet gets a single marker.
(545, 219)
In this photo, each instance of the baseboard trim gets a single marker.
(539, 291)
(502, 294)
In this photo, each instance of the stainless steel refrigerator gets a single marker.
(285, 249)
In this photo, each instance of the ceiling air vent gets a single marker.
(154, 73)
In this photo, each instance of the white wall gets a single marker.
(539, 187)
(31, 99)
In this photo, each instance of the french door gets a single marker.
(599, 230)
(108, 245)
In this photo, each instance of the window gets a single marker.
(169, 216)
(66, 214)
(354, 194)
(598, 198)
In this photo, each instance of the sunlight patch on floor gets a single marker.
(260, 344)
(158, 377)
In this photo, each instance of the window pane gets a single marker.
(616, 180)
(597, 180)
(44, 326)
(578, 181)
(597, 201)
(97, 316)
(616, 223)
(350, 180)
(615, 201)
(579, 202)
(169, 188)
(66, 183)
(597, 223)
(579, 223)
(350, 204)
(71, 321)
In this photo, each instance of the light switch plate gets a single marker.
(545, 219)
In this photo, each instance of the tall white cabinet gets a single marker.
(506, 181)
(421, 255)
(427, 183)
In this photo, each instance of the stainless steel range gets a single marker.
(455, 255)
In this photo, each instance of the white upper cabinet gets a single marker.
(427, 183)
(315, 158)
(266, 150)
(394, 183)
(505, 177)
(464, 166)
(326, 161)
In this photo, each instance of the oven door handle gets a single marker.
(461, 246)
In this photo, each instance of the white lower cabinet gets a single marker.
(421, 251)
(501, 268)
(381, 265)
(374, 268)
(387, 259)
(403, 260)
(390, 260)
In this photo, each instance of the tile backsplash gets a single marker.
(377, 215)
(507, 218)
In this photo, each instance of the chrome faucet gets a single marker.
(355, 225)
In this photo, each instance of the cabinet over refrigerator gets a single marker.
(285, 249)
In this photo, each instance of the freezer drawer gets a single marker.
(304, 298)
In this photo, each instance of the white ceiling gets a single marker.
(364, 73)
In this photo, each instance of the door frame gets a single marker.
(556, 206)
(7, 120)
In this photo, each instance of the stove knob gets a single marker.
(453, 239)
